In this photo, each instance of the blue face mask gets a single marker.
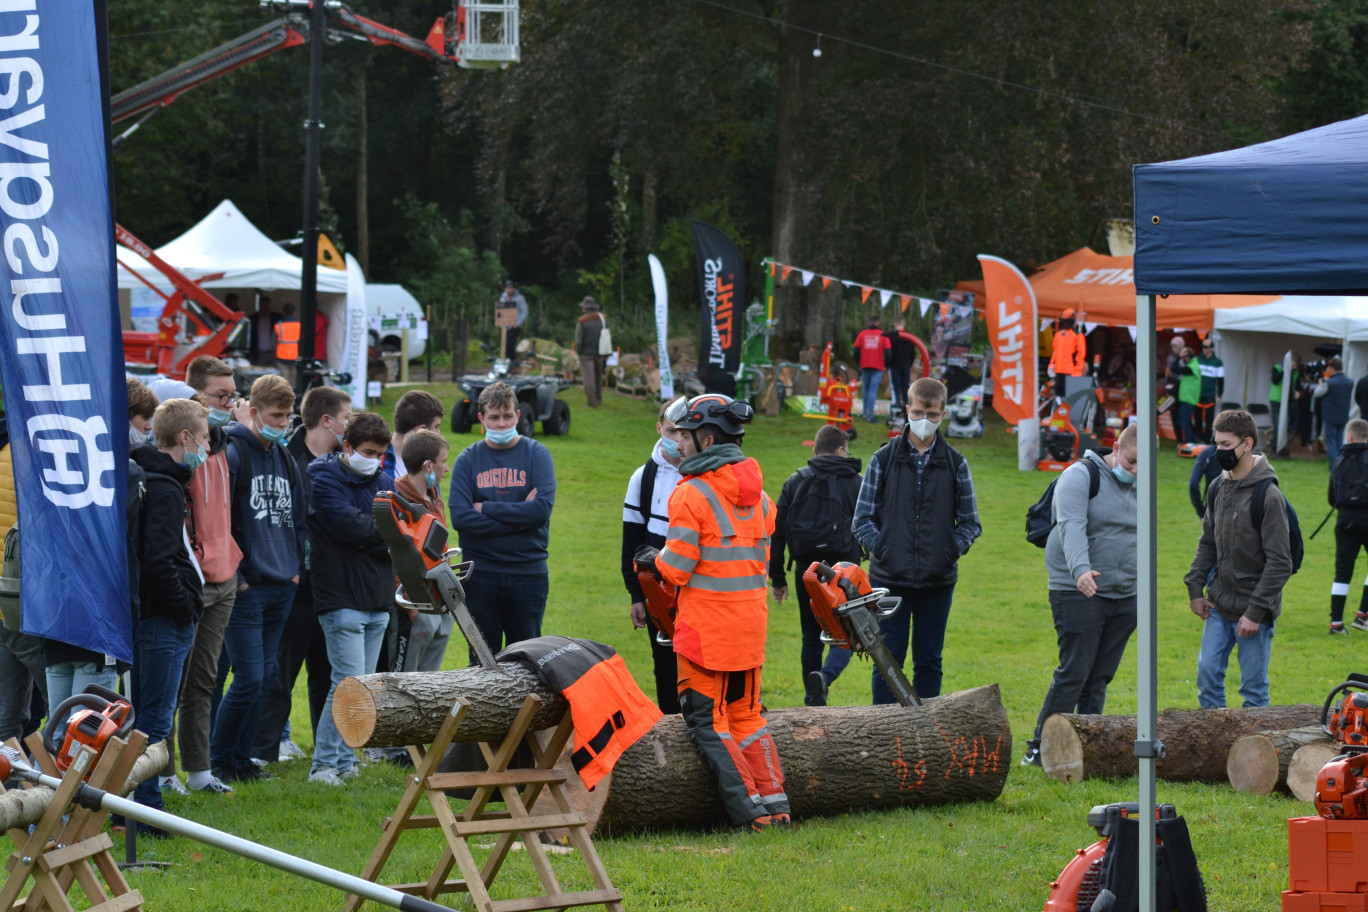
(501, 438)
(669, 447)
(219, 417)
(195, 460)
(272, 434)
(1123, 476)
(430, 479)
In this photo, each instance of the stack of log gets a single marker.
(955, 747)
(1258, 750)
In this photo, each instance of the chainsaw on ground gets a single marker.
(428, 580)
(849, 611)
(105, 715)
(1342, 784)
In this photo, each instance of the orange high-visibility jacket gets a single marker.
(716, 551)
(1070, 353)
(287, 340)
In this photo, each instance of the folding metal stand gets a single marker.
(60, 852)
(519, 790)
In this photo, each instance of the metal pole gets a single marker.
(308, 292)
(1147, 656)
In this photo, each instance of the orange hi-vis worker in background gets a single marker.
(1070, 356)
(287, 340)
(716, 551)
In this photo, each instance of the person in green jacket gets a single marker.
(1275, 393)
(1189, 394)
(1212, 372)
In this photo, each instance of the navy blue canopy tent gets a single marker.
(1279, 217)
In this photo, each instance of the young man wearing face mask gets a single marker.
(142, 402)
(1241, 601)
(211, 534)
(425, 454)
(326, 411)
(1090, 562)
(502, 491)
(169, 579)
(270, 525)
(917, 516)
(645, 520)
(353, 577)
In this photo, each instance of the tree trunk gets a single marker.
(395, 710)
(22, 807)
(362, 174)
(1075, 747)
(1258, 763)
(1305, 766)
(953, 748)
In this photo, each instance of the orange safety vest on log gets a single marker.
(1070, 355)
(716, 551)
(607, 707)
(287, 340)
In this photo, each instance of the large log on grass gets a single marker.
(395, 710)
(21, 807)
(836, 759)
(1078, 747)
(1257, 763)
(1305, 766)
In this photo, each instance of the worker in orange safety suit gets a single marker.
(716, 551)
(1070, 356)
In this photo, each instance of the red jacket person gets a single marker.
(716, 551)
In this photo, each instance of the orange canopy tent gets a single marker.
(1101, 289)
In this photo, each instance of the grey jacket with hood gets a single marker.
(1096, 534)
(1251, 564)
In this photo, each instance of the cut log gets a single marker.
(1305, 766)
(396, 710)
(1257, 763)
(1077, 747)
(954, 748)
(21, 807)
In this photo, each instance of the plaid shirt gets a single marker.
(967, 527)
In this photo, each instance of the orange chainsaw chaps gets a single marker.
(826, 597)
(662, 600)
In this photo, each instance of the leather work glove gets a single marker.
(645, 560)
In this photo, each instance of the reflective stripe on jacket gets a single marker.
(716, 551)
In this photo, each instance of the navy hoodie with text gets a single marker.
(270, 521)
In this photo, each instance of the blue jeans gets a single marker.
(161, 646)
(1334, 439)
(1183, 428)
(869, 387)
(67, 678)
(507, 607)
(354, 640)
(1218, 638)
(926, 612)
(250, 643)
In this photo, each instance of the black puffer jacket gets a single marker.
(169, 584)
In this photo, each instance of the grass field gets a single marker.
(990, 856)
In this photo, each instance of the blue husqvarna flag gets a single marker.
(61, 356)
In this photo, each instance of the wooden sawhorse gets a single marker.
(519, 789)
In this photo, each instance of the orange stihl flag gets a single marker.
(1011, 312)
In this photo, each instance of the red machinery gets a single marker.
(849, 610)
(1342, 785)
(833, 391)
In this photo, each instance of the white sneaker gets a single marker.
(327, 775)
(172, 784)
(215, 786)
(351, 773)
(290, 751)
(259, 763)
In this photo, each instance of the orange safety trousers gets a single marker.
(722, 712)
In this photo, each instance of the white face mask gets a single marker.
(364, 466)
(137, 438)
(923, 428)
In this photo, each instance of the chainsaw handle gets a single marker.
(93, 697)
(1355, 680)
(824, 572)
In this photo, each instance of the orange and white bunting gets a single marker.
(1011, 314)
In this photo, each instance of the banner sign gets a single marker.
(662, 315)
(722, 285)
(1011, 313)
(351, 359)
(61, 360)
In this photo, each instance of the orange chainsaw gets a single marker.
(106, 715)
(849, 611)
(662, 598)
(428, 581)
(1342, 784)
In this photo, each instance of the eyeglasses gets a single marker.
(228, 398)
(918, 415)
(1207, 348)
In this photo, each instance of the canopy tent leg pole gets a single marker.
(1146, 747)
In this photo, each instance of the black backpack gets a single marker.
(1350, 479)
(1040, 515)
(1256, 516)
(817, 524)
